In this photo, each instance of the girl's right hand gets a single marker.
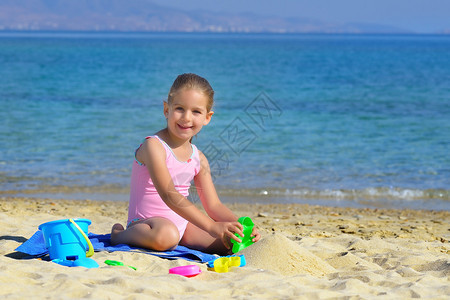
(226, 231)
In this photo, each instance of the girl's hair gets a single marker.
(195, 82)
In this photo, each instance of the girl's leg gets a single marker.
(199, 239)
(154, 233)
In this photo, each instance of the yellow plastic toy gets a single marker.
(224, 263)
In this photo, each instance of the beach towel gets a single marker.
(35, 246)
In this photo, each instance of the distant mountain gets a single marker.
(143, 15)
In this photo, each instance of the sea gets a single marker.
(327, 119)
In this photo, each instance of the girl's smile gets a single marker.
(184, 127)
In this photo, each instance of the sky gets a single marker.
(421, 16)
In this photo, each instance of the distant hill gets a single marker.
(143, 15)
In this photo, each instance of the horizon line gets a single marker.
(220, 32)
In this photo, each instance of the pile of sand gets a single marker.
(277, 253)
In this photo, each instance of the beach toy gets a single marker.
(117, 263)
(248, 225)
(186, 271)
(223, 263)
(243, 262)
(67, 241)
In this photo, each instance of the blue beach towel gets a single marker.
(35, 246)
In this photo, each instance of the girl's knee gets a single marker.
(156, 233)
(166, 237)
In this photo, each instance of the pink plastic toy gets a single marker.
(186, 271)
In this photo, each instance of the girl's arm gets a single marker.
(153, 155)
(209, 198)
(208, 195)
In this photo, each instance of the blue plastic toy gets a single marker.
(67, 241)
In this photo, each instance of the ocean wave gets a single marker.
(372, 193)
(369, 193)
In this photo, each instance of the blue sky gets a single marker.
(422, 16)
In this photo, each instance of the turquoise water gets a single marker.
(327, 119)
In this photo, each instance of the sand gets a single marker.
(307, 252)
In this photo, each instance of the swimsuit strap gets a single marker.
(135, 151)
(194, 149)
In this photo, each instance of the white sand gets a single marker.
(277, 253)
(306, 253)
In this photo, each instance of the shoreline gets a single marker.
(306, 251)
(255, 196)
(280, 214)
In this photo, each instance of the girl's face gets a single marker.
(187, 113)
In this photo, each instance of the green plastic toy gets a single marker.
(117, 263)
(248, 225)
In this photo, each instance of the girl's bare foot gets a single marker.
(116, 229)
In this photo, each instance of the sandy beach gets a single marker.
(307, 252)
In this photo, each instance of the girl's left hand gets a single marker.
(255, 234)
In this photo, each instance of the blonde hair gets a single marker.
(194, 82)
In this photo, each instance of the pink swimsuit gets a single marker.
(145, 201)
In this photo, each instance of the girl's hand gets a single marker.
(226, 230)
(255, 234)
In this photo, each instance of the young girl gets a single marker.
(159, 215)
